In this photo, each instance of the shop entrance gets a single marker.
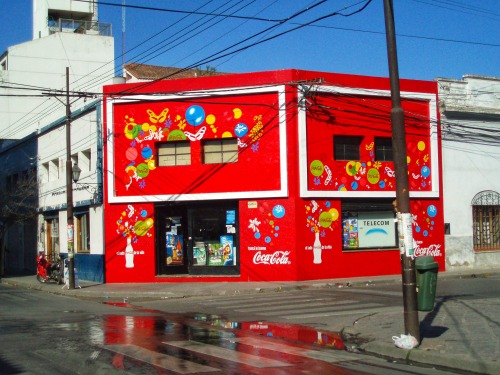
(172, 240)
(197, 238)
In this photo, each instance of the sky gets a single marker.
(435, 38)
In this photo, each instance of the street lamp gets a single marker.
(76, 173)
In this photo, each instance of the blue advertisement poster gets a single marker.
(175, 255)
(227, 243)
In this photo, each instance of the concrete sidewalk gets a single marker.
(459, 334)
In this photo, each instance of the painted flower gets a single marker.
(254, 225)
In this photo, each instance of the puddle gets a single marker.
(289, 332)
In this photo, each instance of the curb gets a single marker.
(431, 358)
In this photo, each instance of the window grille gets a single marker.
(486, 221)
(383, 149)
(346, 147)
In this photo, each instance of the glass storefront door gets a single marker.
(172, 240)
(198, 238)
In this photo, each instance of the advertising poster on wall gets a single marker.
(365, 230)
(376, 229)
(227, 243)
(199, 254)
(175, 254)
(215, 254)
(350, 231)
(222, 253)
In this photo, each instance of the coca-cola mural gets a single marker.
(266, 229)
(427, 228)
(301, 208)
(321, 218)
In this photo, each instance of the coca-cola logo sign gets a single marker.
(278, 257)
(433, 250)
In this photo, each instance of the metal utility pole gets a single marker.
(402, 190)
(69, 190)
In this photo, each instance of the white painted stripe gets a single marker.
(164, 361)
(13, 297)
(328, 355)
(322, 309)
(227, 354)
(239, 301)
(288, 302)
(357, 311)
(294, 306)
(371, 292)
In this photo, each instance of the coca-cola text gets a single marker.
(278, 257)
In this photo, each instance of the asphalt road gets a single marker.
(43, 333)
(335, 307)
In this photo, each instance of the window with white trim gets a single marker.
(223, 150)
(173, 153)
(346, 147)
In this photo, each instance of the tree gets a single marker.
(208, 71)
(18, 204)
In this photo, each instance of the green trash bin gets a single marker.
(427, 270)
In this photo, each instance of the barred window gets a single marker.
(346, 147)
(486, 221)
(383, 149)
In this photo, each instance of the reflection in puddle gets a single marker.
(181, 324)
(206, 343)
(291, 332)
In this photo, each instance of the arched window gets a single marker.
(486, 220)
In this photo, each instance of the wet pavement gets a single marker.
(460, 334)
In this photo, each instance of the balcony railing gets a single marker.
(79, 27)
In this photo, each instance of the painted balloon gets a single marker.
(431, 210)
(142, 170)
(241, 129)
(278, 211)
(325, 219)
(316, 168)
(425, 171)
(131, 153)
(195, 115)
(147, 152)
(142, 226)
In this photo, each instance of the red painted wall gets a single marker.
(130, 243)
(139, 127)
(276, 235)
(366, 117)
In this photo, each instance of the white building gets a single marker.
(66, 33)
(70, 38)
(470, 116)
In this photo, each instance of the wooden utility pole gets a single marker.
(69, 191)
(402, 188)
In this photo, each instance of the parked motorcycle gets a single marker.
(48, 271)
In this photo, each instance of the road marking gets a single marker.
(371, 292)
(329, 355)
(227, 354)
(295, 306)
(259, 299)
(13, 297)
(358, 311)
(328, 309)
(164, 361)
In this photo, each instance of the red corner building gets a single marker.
(273, 176)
